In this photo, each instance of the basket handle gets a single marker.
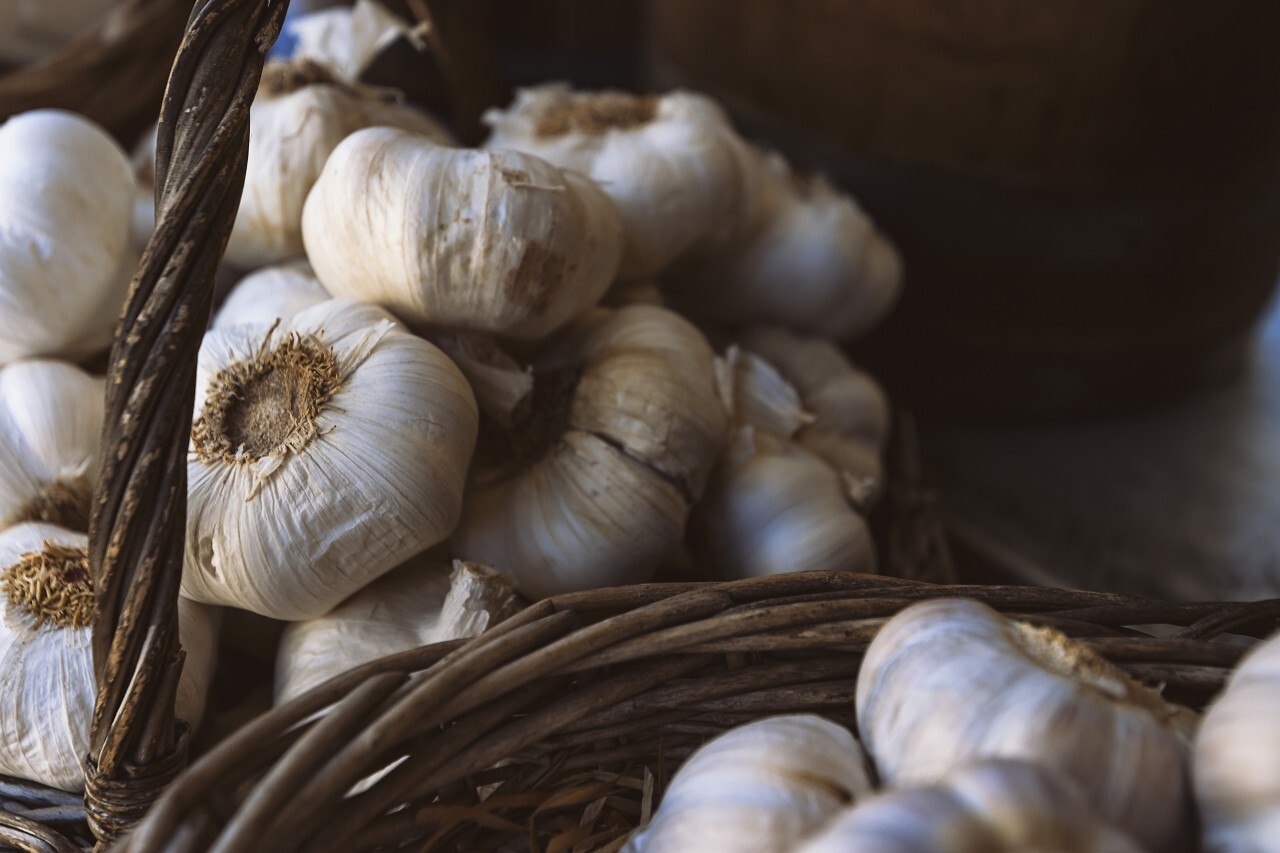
(138, 521)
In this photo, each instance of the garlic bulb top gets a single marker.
(593, 489)
(995, 806)
(1237, 771)
(66, 191)
(491, 241)
(326, 450)
(420, 602)
(272, 293)
(950, 681)
(31, 29)
(672, 163)
(50, 422)
(758, 787)
(809, 259)
(46, 654)
(345, 39)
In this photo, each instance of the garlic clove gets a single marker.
(757, 395)
(50, 422)
(949, 681)
(1237, 776)
(594, 488)
(272, 293)
(421, 602)
(65, 196)
(758, 787)
(46, 654)
(502, 387)
(346, 39)
(492, 241)
(326, 451)
(671, 163)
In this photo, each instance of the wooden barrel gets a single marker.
(1087, 193)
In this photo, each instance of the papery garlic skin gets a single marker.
(66, 190)
(950, 681)
(757, 788)
(46, 671)
(996, 806)
(328, 492)
(32, 29)
(50, 423)
(490, 241)
(672, 164)
(626, 427)
(419, 603)
(1236, 768)
(812, 260)
(272, 293)
(346, 39)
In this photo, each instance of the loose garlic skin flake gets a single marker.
(492, 241)
(46, 655)
(950, 681)
(594, 489)
(671, 163)
(66, 195)
(325, 452)
(758, 788)
(997, 806)
(272, 293)
(1237, 758)
(50, 423)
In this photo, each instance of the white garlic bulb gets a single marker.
(46, 654)
(65, 260)
(672, 163)
(996, 806)
(32, 29)
(345, 39)
(326, 450)
(272, 293)
(1237, 758)
(594, 488)
(50, 422)
(421, 602)
(491, 241)
(950, 681)
(850, 412)
(811, 260)
(757, 788)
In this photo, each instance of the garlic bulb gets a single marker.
(1237, 774)
(419, 603)
(65, 259)
(326, 451)
(950, 681)
(346, 39)
(271, 293)
(672, 163)
(50, 421)
(996, 806)
(594, 488)
(812, 260)
(491, 241)
(758, 787)
(31, 29)
(46, 654)
(850, 413)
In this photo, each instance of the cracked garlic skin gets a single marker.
(594, 488)
(272, 293)
(1237, 758)
(46, 654)
(50, 422)
(996, 806)
(492, 241)
(672, 163)
(424, 601)
(757, 788)
(325, 451)
(950, 681)
(66, 192)
(811, 260)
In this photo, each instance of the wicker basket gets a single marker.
(558, 728)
